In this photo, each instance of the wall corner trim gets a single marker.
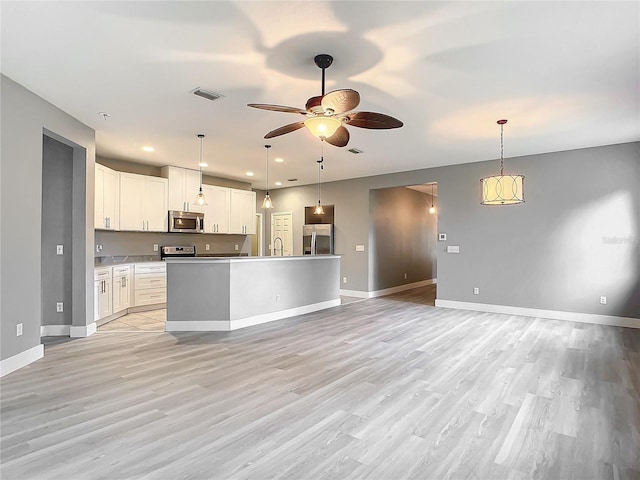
(83, 331)
(20, 360)
(609, 320)
(55, 330)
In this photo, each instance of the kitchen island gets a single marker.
(223, 294)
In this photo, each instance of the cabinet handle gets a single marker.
(187, 206)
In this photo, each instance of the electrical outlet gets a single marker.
(206, 247)
(98, 248)
(603, 300)
(405, 276)
(277, 298)
(18, 330)
(59, 250)
(344, 279)
(236, 247)
(155, 247)
(59, 307)
(442, 237)
(476, 291)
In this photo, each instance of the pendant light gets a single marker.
(267, 202)
(432, 210)
(319, 210)
(502, 189)
(200, 199)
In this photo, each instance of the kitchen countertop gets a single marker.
(247, 259)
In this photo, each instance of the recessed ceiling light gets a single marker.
(249, 174)
(278, 160)
(203, 164)
(148, 149)
(278, 184)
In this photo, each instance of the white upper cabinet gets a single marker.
(107, 198)
(143, 203)
(184, 185)
(216, 212)
(242, 212)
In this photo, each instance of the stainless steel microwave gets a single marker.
(186, 222)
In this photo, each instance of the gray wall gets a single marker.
(153, 170)
(120, 244)
(25, 117)
(574, 239)
(403, 237)
(57, 186)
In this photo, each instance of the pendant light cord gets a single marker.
(267, 147)
(201, 137)
(501, 149)
(320, 163)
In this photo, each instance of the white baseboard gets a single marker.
(21, 359)
(55, 330)
(83, 331)
(228, 325)
(388, 291)
(610, 320)
(354, 293)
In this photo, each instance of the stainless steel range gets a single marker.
(177, 251)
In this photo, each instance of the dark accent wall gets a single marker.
(403, 237)
(57, 188)
(121, 244)
(154, 171)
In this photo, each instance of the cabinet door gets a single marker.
(117, 294)
(191, 188)
(104, 299)
(243, 212)
(97, 289)
(111, 199)
(155, 204)
(176, 178)
(125, 293)
(99, 219)
(249, 213)
(131, 194)
(216, 212)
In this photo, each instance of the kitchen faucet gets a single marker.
(275, 250)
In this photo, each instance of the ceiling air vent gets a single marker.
(208, 94)
(355, 151)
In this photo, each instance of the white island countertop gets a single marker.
(246, 259)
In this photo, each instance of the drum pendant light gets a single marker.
(200, 198)
(267, 202)
(502, 189)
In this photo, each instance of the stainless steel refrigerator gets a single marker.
(317, 239)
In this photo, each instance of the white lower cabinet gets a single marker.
(150, 283)
(121, 288)
(102, 293)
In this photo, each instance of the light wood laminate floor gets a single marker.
(378, 389)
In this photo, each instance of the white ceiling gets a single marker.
(565, 74)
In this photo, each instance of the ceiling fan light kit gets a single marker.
(328, 114)
(502, 189)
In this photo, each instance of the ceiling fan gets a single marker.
(328, 114)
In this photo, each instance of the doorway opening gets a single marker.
(403, 251)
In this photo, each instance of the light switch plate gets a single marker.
(359, 248)
(453, 248)
(59, 249)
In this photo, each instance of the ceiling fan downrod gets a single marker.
(323, 61)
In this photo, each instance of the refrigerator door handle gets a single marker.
(313, 243)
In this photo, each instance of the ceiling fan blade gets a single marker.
(292, 127)
(378, 121)
(277, 108)
(340, 138)
(340, 101)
